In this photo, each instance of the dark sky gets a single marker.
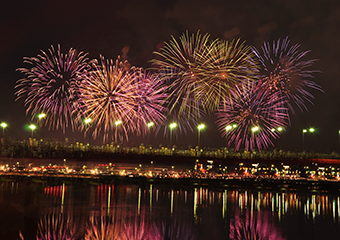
(106, 27)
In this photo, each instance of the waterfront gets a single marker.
(138, 193)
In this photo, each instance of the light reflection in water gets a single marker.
(248, 226)
(158, 211)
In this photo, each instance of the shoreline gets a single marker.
(245, 183)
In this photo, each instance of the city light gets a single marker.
(150, 124)
(311, 130)
(87, 120)
(3, 125)
(280, 129)
(200, 128)
(41, 115)
(118, 122)
(172, 126)
(32, 127)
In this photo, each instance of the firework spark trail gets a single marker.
(286, 69)
(149, 101)
(250, 226)
(178, 64)
(121, 227)
(255, 113)
(227, 65)
(106, 97)
(104, 228)
(50, 84)
(114, 94)
(201, 73)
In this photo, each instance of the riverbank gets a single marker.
(237, 182)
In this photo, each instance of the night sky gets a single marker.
(137, 28)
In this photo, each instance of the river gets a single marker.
(162, 211)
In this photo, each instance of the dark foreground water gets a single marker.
(37, 210)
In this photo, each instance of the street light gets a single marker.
(303, 139)
(280, 129)
(227, 129)
(172, 126)
(311, 130)
(255, 129)
(117, 123)
(40, 117)
(149, 125)
(3, 125)
(200, 128)
(32, 127)
(87, 122)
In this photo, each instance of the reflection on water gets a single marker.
(163, 212)
(253, 226)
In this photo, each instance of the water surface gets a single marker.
(155, 211)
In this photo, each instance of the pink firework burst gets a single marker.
(50, 83)
(251, 117)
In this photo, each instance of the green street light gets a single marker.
(280, 129)
(200, 128)
(87, 122)
(149, 125)
(32, 127)
(311, 130)
(303, 139)
(40, 117)
(172, 126)
(255, 129)
(3, 125)
(117, 123)
(227, 129)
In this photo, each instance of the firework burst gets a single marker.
(50, 84)
(105, 98)
(254, 226)
(121, 100)
(285, 69)
(226, 66)
(104, 228)
(201, 72)
(254, 115)
(179, 64)
(148, 101)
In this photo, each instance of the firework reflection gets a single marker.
(248, 226)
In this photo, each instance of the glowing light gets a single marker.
(254, 111)
(173, 125)
(50, 85)
(287, 70)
